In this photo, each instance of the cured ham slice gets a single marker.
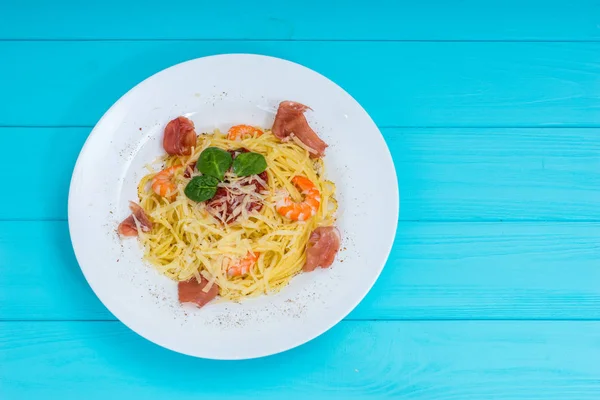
(193, 292)
(323, 245)
(227, 202)
(128, 227)
(190, 170)
(179, 137)
(291, 123)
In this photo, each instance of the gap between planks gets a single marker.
(30, 40)
(353, 320)
(401, 221)
(491, 126)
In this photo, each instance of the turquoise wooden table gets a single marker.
(492, 113)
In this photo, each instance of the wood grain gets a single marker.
(491, 112)
(408, 360)
(267, 19)
(435, 271)
(49, 83)
(458, 174)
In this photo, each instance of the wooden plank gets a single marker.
(444, 174)
(53, 156)
(400, 83)
(270, 19)
(497, 174)
(435, 271)
(412, 360)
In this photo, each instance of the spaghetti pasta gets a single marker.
(187, 240)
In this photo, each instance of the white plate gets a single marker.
(217, 92)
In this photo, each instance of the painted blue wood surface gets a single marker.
(492, 113)
(467, 360)
(576, 20)
(487, 84)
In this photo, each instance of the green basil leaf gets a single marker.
(214, 162)
(247, 164)
(201, 188)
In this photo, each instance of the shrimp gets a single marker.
(242, 266)
(239, 131)
(163, 183)
(305, 209)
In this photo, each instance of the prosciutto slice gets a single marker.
(179, 137)
(290, 122)
(225, 203)
(190, 170)
(192, 292)
(323, 245)
(128, 226)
